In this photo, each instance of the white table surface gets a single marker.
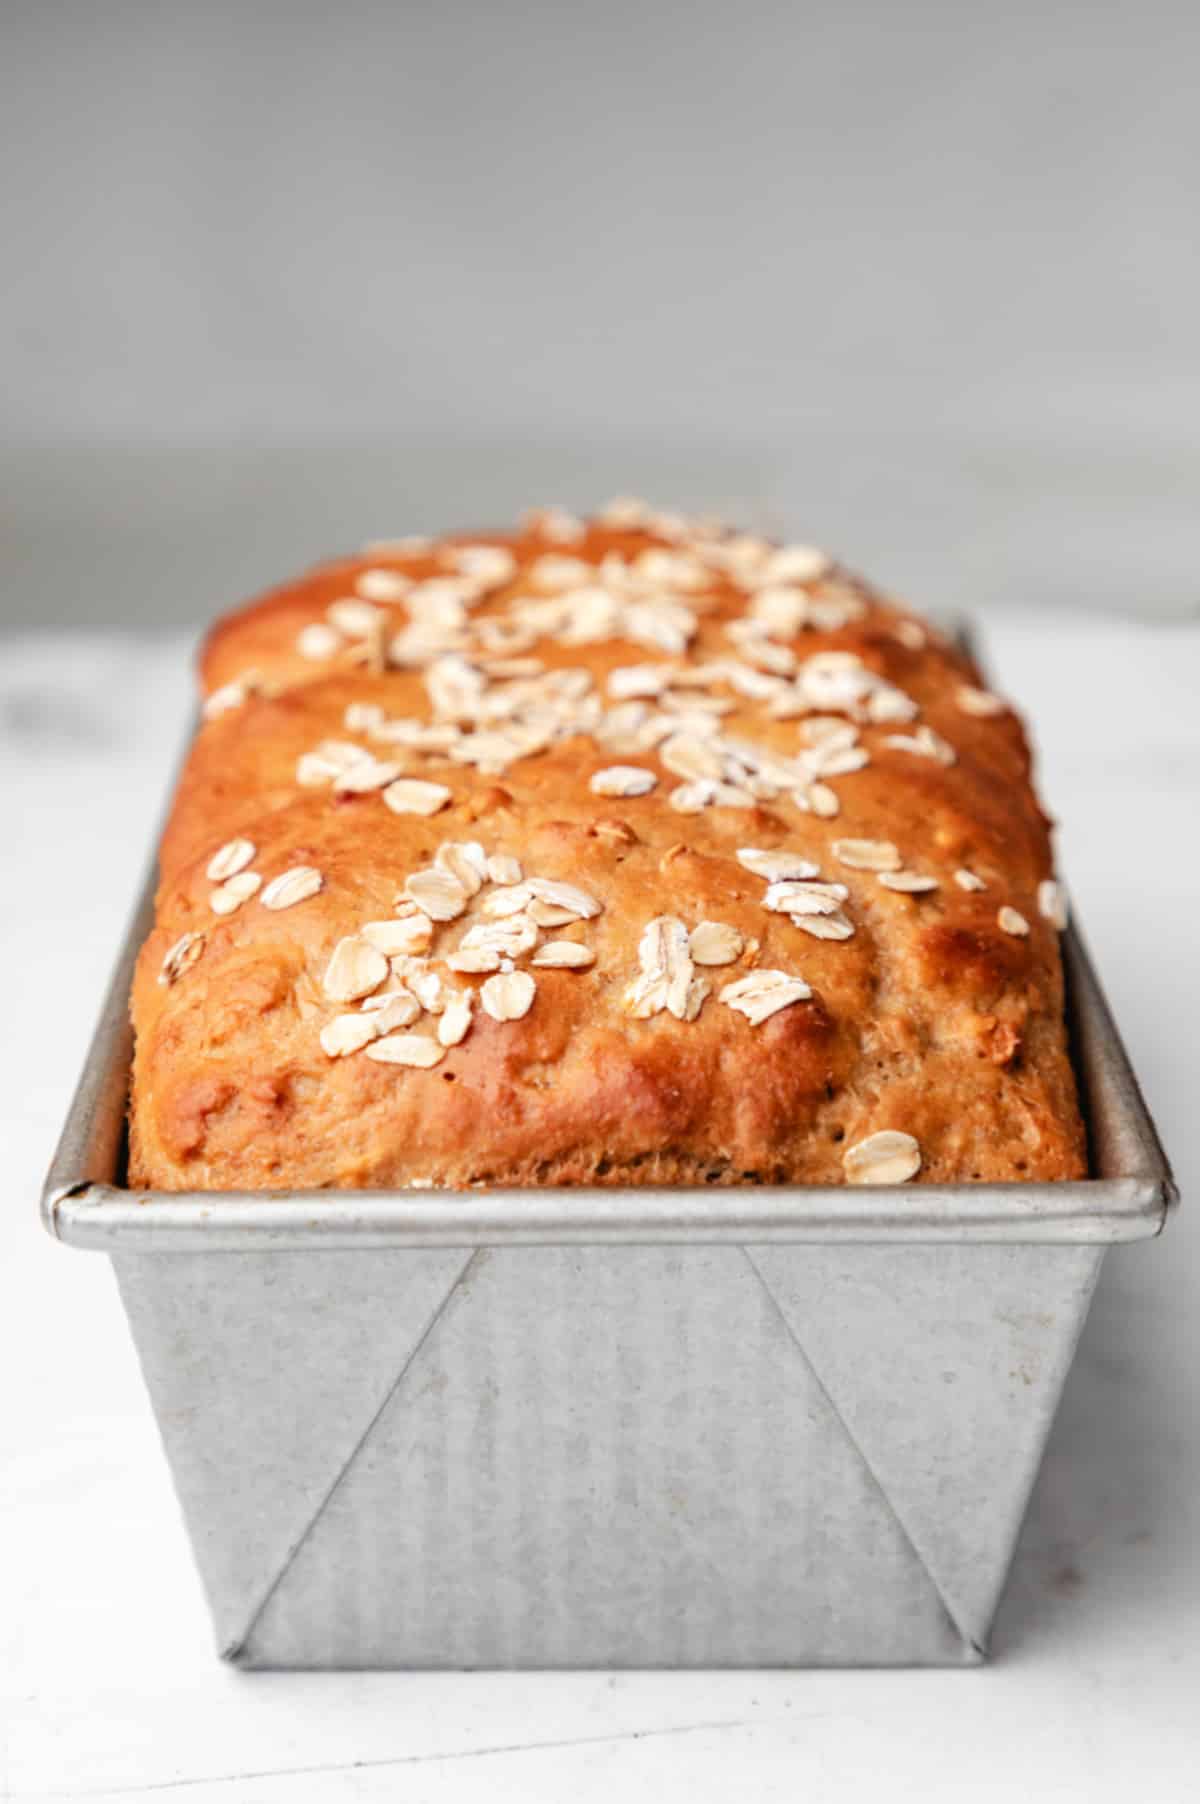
(109, 1688)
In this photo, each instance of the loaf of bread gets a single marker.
(626, 851)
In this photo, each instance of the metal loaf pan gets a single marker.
(609, 1428)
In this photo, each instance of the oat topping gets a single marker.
(382, 585)
(912, 883)
(622, 780)
(466, 861)
(968, 880)
(809, 898)
(692, 798)
(492, 709)
(666, 978)
(867, 854)
(409, 795)
(698, 992)
(1052, 903)
(428, 988)
(229, 896)
(837, 761)
(885, 1157)
(641, 682)
(400, 1008)
(507, 939)
(181, 957)
(406, 937)
(508, 996)
(346, 1034)
(624, 511)
(836, 926)
(486, 945)
(455, 1022)
(829, 730)
(506, 899)
(780, 611)
(796, 564)
(657, 568)
(764, 993)
(330, 760)
(438, 893)
(319, 641)
(501, 868)
(392, 987)
(233, 857)
(554, 523)
(551, 573)
(231, 695)
(474, 960)
(491, 566)
(715, 943)
(776, 867)
(821, 800)
(980, 702)
(355, 969)
(356, 619)
(838, 682)
(567, 896)
(924, 743)
(836, 605)
(290, 887)
(550, 914)
(1010, 920)
(364, 776)
(565, 955)
(413, 734)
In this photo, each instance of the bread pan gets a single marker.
(777, 1426)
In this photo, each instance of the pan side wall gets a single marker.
(611, 1456)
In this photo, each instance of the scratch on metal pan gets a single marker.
(360, 1766)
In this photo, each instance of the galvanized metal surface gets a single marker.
(782, 1426)
(606, 1456)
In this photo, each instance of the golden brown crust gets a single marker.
(930, 1018)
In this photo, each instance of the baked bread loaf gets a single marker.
(632, 850)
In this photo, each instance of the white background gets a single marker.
(108, 1684)
(689, 220)
(918, 278)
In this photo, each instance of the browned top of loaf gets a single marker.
(781, 707)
